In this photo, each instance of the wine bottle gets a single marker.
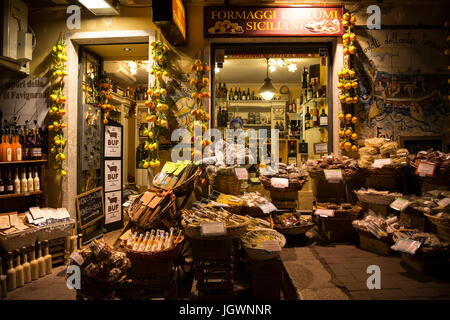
(3, 283)
(26, 145)
(38, 145)
(24, 181)
(315, 115)
(47, 258)
(11, 273)
(236, 95)
(20, 277)
(169, 242)
(323, 118)
(9, 183)
(248, 94)
(305, 78)
(36, 181)
(17, 182)
(26, 266)
(41, 261)
(34, 264)
(30, 182)
(307, 119)
(2, 185)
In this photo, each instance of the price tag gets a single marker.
(425, 169)
(213, 229)
(324, 212)
(444, 202)
(271, 246)
(380, 163)
(241, 173)
(4, 222)
(77, 258)
(13, 219)
(399, 204)
(267, 207)
(333, 175)
(279, 182)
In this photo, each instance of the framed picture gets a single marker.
(320, 147)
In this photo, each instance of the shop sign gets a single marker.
(113, 204)
(90, 207)
(179, 17)
(113, 175)
(170, 17)
(272, 21)
(113, 141)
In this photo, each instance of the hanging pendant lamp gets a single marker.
(267, 91)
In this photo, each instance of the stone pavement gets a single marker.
(347, 266)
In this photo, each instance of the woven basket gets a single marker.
(294, 230)
(139, 257)
(233, 209)
(228, 184)
(193, 230)
(320, 175)
(442, 226)
(260, 253)
(270, 220)
(292, 186)
(253, 211)
(163, 220)
(375, 198)
(348, 214)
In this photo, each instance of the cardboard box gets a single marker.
(374, 245)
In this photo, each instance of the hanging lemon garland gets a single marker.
(199, 83)
(101, 93)
(348, 85)
(57, 105)
(156, 105)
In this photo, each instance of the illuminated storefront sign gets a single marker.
(272, 21)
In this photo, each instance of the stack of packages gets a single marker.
(100, 263)
(343, 210)
(296, 176)
(147, 211)
(348, 165)
(223, 157)
(381, 148)
(435, 203)
(173, 174)
(378, 226)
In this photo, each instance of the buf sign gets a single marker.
(113, 141)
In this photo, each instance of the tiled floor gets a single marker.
(348, 264)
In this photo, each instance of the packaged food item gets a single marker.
(388, 148)
(375, 142)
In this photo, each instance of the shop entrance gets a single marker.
(282, 86)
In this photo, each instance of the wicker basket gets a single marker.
(375, 198)
(294, 230)
(260, 253)
(296, 186)
(144, 257)
(442, 226)
(320, 175)
(163, 220)
(56, 230)
(194, 230)
(253, 211)
(228, 184)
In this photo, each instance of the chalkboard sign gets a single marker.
(90, 207)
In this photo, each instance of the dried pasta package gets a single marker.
(375, 142)
(402, 152)
(368, 151)
(388, 148)
(366, 161)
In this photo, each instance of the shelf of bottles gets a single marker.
(21, 164)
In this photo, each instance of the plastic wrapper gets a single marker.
(100, 249)
(388, 148)
(366, 151)
(375, 142)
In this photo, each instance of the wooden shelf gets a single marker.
(20, 195)
(43, 161)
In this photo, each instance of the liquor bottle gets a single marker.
(244, 95)
(11, 273)
(138, 242)
(20, 276)
(253, 95)
(231, 95)
(323, 118)
(3, 284)
(315, 116)
(225, 91)
(37, 152)
(9, 186)
(169, 242)
(26, 145)
(131, 239)
(156, 242)
(24, 181)
(144, 242)
(17, 154)
(26, 266)
(248, 94)
(34, 264)
(235, 96)
(30, 182)
(47, 258)
(162, 241)
(7, 150)
(2, 185)
(309, 93)
(17, 182)
(41, 261)
(308, 119)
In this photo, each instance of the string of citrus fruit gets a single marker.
(156, 105)
(57, 105)
(348, 85)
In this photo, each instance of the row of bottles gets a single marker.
(222, 117)
(314, 119)
(23, 272)
(156, 240)
(20, 145)
(20, 184)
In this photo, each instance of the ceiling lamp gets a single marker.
(102, 7)
(292, 67)
(267, 90)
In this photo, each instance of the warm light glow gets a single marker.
(216, 70)
(272, 68)
(267, 95)
(95, 4)
(279, 62)
(292, 67)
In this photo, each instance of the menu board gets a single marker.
(113, 141)
(90, 207)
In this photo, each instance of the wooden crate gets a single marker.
(380, 209)
(57, 249)
(374, 245)
(432, 264)
(329, 192)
